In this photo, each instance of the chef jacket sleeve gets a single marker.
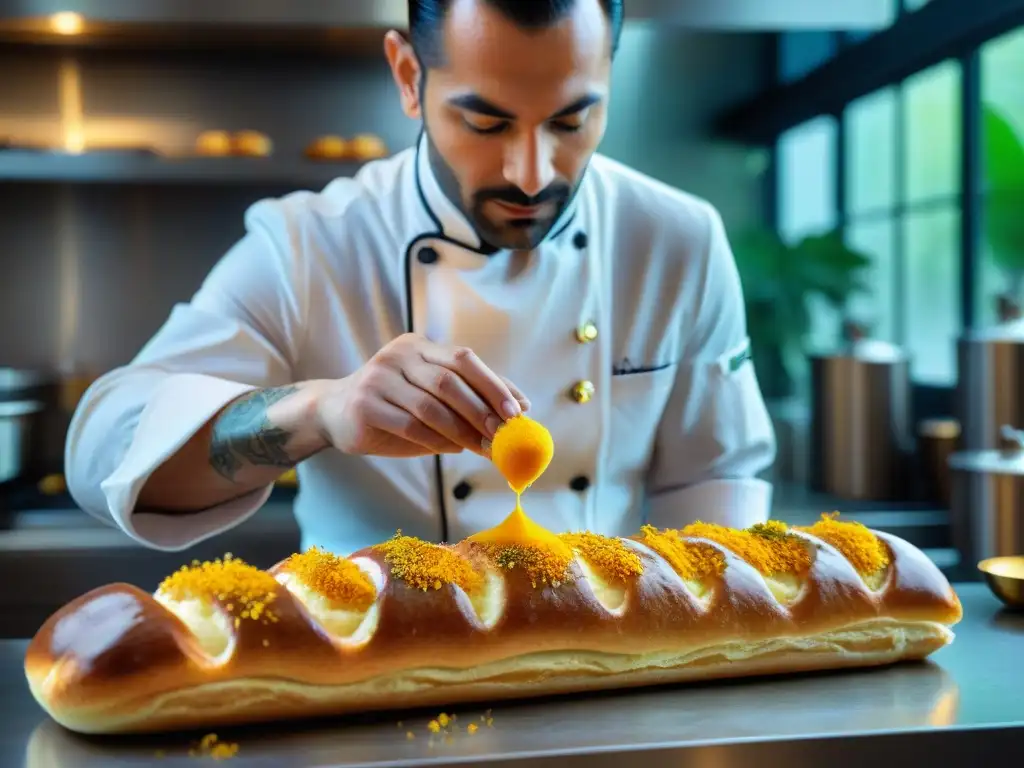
(238, 333)
(715, 436)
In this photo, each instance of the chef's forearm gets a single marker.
(246, 446)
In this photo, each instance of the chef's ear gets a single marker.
(405, 68)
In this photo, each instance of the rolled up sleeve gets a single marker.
(238, 333)
(716, 435)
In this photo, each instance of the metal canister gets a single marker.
(987, 512)
(937, 441)
(861, 427)
(990, 387)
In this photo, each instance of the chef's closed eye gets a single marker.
(483, 117)
(571, 123)
(484, 125)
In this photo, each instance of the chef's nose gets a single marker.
(529, 163)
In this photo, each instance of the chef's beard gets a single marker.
(508, 234)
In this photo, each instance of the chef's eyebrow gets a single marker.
(577, 106)
(473, 103)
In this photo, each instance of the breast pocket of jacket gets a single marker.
(637, 404)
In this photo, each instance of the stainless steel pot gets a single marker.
(18, 430)
(937, 441)
(990, 385)
(987, 510)
(862, 439)
(41, 434)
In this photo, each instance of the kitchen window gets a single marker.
(930, 222)
(901, 158)
(892, 179)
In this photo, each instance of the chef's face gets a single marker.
(513, 116)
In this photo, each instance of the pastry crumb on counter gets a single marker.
(445, 727)
(211, 746)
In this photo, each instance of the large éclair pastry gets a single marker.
(511, 612)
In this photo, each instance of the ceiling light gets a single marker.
(67, 23)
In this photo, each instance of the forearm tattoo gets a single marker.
(244, 435)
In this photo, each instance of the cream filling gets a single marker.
(346, 625)
(212, 628)
(488, 602)
(875, 581)
(610, 595)
(785, 587)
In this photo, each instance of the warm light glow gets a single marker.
(67, 23)
(74, 142)
(71, 112)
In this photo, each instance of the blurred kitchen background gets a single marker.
(871, 176)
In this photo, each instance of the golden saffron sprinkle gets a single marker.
(691, 560)
(609, 556)
(227, 579)
(773, 529)
(336, 578)
(855, 541)
(423, 565)
(770, 548)
(542, 566)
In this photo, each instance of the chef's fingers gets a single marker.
(482, 379)
(524, 401)
(431, 409)
(390, 417)
(394, 447)
(456, 394)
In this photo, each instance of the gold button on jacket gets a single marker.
(583, 391)
(586, 333)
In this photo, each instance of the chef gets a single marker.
(376, 334)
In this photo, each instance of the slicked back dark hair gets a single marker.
(426, 18)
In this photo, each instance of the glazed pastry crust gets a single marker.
(119, 659)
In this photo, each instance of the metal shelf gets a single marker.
(140, 167)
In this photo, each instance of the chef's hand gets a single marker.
(417, 398)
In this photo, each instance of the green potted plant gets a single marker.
(1004, 207)
(778, 281)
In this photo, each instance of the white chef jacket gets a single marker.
(676, 430)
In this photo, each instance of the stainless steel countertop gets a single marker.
(964, 704)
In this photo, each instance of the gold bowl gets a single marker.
(1005, 577)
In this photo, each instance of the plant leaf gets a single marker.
(1004, 184)
(1004, 152)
